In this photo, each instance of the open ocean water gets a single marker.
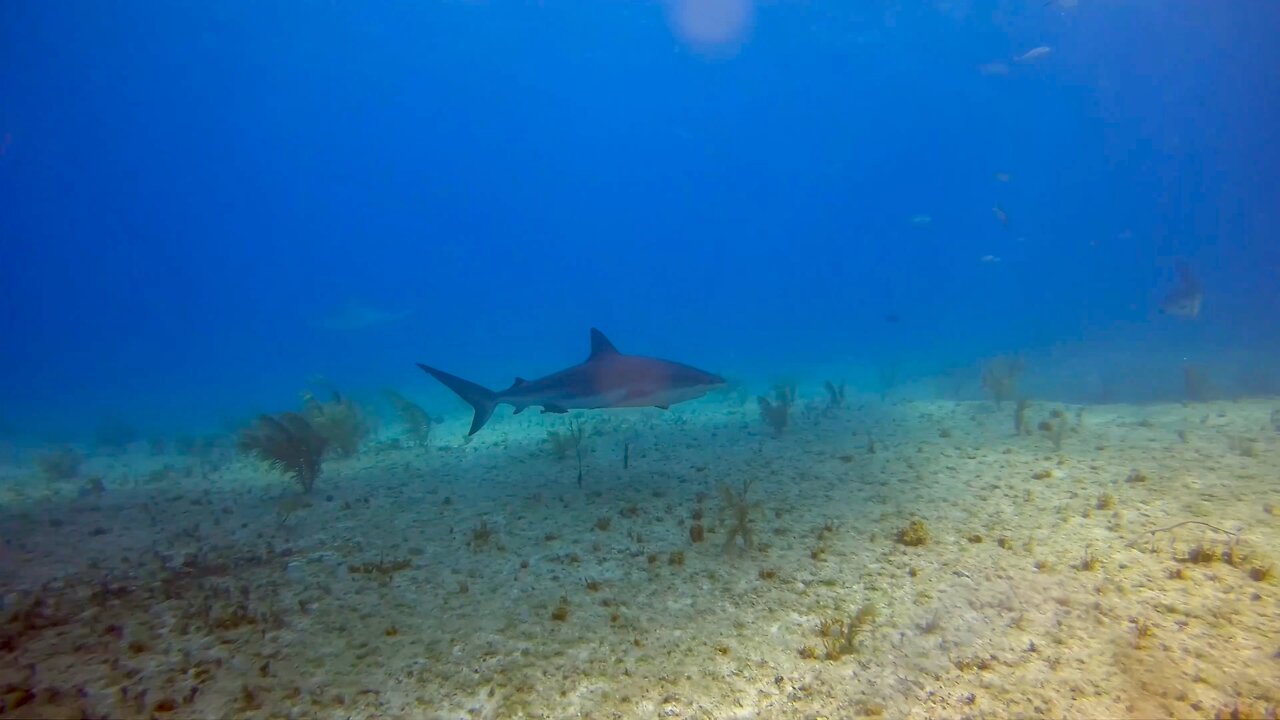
(694, 358)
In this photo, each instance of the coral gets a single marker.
(1142, 631)
(1089, 562)
(561, 612)
(739, 510)
(1000, 377)
(840, 637)
(835, 395)
(1020, 417)
(287, 443)
(697, 533)
(339, 421)
(1055, 428)
(60, 464)
(1196, 383)
(481, 534)
(382, 570)
(417, 423)
(562, 443)
(776, 413)
(916, 533)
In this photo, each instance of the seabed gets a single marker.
(907, 560)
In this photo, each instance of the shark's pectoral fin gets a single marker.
(663, 407)
(553, 409)
(519, 409)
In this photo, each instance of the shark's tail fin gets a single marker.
(482, 400)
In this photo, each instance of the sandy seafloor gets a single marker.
(189, 593)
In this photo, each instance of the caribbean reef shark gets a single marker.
(608, 379)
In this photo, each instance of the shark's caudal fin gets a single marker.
(482, 400)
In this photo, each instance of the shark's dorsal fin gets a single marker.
(600, 345)
(518, 382)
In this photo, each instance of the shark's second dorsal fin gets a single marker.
(600, 345)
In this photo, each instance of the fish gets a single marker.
(607, 379)
(1002, 176)
(1033, 54)
(1185, 299)
(990, 259)
(1001, 215)
(921, 220)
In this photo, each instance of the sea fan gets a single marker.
(339, 421)
(777, 414)
(287, 443)
(417, 422)
(1000, 377)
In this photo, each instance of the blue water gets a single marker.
(191, 193)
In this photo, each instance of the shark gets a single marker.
(607, 379)
(356, 316)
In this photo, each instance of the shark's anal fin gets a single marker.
(553, 409)
(600, 345)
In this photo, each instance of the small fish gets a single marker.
(1185, 299)
(921, 220)
(990, 259)
(1002, 176)
(1033, 54)
(1001, 215)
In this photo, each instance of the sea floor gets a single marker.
(1129, 572)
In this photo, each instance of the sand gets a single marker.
(478, 580)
